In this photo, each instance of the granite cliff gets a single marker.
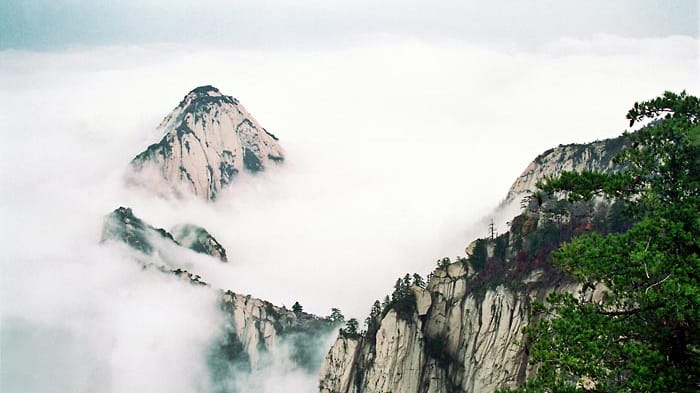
(463, 330)
(254, 329)
(574, 157)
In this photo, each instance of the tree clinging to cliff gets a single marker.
(644, 334)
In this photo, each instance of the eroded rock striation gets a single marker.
(208, 138)
(254, 329)
(468, 339)
(464, 331)
(257, 328)
(575, 157)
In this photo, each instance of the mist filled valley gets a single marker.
(397, 152)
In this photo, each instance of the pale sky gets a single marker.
(57, 24)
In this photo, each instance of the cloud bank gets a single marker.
(395, 148)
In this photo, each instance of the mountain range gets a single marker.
(461, 330)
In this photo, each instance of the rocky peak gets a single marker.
(253, 330)
(208, 138)
(597, 156)
(199, 240)
(202, 91)
(464, 332)
(122, 225)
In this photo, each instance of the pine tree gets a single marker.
(644, 334)
(336, 315)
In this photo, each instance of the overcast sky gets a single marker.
(57, 24)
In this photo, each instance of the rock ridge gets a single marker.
(122, 225)
(465, 330)
(253, 328)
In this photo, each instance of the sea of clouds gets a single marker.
(396, 152)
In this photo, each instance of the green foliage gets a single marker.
(297, 308)
(643, 335)
(418, 280)
(618, 218)
(479, 255)
(123, 226)
(275, 315)
(443, 263)
(436, 348)
(350, 329)
(403, 299)
(251, 161)
(225, 355)
(545, 238)
(386, 302)
(374, 319)
(500, 247)
(336, 316)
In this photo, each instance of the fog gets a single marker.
(396, 150)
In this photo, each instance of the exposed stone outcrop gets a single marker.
(199, 240)
(470, 340)
(122, 225)
(254, 328)
(468, 335)
(597, 156)
(340, 365)
(259, 327)
(208, 138)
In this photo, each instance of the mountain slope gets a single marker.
(574, 157)
(208, 138)
(122, 225)
(466, 334)
(255, 332)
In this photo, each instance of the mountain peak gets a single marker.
(208, 138)
(206, 89)
(203, 91)
(203, 95)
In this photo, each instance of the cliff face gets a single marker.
(208, 138)
(575, 157)
(464, 332)
(254, 328)
(469, 340)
